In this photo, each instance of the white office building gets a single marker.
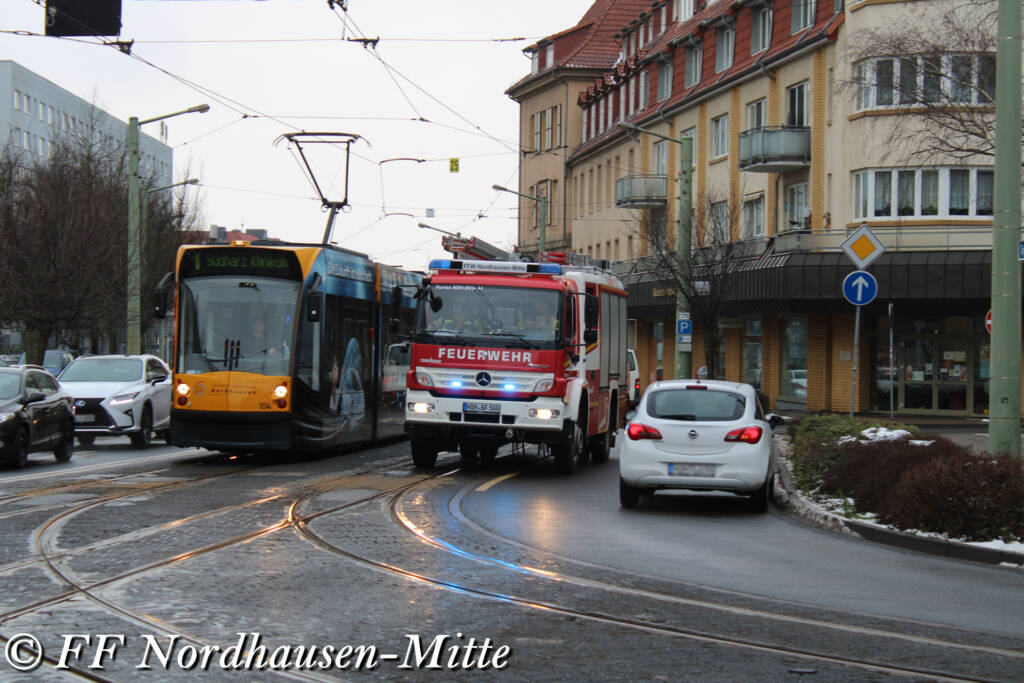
(38, 111)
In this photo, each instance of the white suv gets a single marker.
(115, 395)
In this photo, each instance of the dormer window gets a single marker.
(535, 62)
(684, 9)
(549, 56)
(725, 37)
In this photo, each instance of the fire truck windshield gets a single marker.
(479, 315)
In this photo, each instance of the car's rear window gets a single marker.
(699, 405)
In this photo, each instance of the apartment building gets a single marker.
(39, 111)
(803, 130)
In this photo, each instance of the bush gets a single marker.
(977, 498)
(868, 471)
(816, 445)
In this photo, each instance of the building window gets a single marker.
(753, 217)
(664, 80)
(794, 359)
(719, 222)
(17, 100)
(798, 213)
(797, 99)
(549, 127)
(538, 128)
(752, 352)
(535, 62)
(803, 15)
(660, 158)
(942, 192)
(720, 136)
(645, 88)
(755, 114)
(724, 38)
(760, 29)
(549, 56)
(693, 65)
(954, 79)
(684, 9)
(557, 109)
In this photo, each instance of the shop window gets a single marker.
(793, 384)
(751, 351)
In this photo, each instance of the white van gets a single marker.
(634, 378)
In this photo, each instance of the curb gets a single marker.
(789, 498)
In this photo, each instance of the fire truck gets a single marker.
(506, 351)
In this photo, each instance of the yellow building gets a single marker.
(803, 131)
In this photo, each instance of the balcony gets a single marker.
(641, 191)
(775, 149)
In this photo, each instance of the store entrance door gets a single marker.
(935, 373)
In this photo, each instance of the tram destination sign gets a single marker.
(244, 261)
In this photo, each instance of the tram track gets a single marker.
(650, 624)
(54, 559)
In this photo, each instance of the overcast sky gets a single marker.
(275, 66)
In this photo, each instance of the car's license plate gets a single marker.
(471, 407)
(689, 469)
(85, 418)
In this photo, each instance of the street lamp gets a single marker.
(683, 363)
(431, 227)
(133, 322)
(190, 181)
(543, 215)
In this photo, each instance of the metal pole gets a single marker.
(543, 226)
(856, 343)
(1004, 402)
(684, 362)
(133, 318)
(892, 368)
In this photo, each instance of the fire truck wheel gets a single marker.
(424, 453)
(569, 456)
(468, 451)
(600, 447)
(488, 453)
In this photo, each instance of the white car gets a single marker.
(119, 395)
(702, 435)
(633, 375)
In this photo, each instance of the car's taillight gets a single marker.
(745, 434)
(637, 431)
(636, 385)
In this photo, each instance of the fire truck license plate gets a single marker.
(469, 407)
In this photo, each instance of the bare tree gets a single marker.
(704, 279)
(63, 224)
(938, 64)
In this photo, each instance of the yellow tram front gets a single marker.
(236, 325)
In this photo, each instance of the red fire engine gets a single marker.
(507, 351)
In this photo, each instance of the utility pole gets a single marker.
(1004, 388)
(543, 201)
(684, 350)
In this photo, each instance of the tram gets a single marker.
(282, 346)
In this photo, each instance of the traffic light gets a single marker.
(83, 17)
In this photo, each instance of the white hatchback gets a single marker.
(701, 435)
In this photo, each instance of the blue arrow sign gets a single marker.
(860, 287)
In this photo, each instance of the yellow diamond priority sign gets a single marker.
(863, 247)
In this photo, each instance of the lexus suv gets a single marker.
(119, 395)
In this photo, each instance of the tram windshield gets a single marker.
(512, 317)
(237, 323)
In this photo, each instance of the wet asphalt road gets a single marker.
(551, 567)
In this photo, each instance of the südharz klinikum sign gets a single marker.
(245, 261)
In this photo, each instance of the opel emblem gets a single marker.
(79, 403)
(483, 379)
(693, 433)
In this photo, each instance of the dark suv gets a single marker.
(35, 415)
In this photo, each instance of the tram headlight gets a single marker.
(421, 407)
(543, 413)
(183, 389)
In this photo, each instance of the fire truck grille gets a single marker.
(489, 418)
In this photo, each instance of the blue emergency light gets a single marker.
(496, 266)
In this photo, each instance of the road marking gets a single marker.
(496, 481)
(50, 473)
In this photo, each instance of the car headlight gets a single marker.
(543, 385)
(4, 417)
(123, 398)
